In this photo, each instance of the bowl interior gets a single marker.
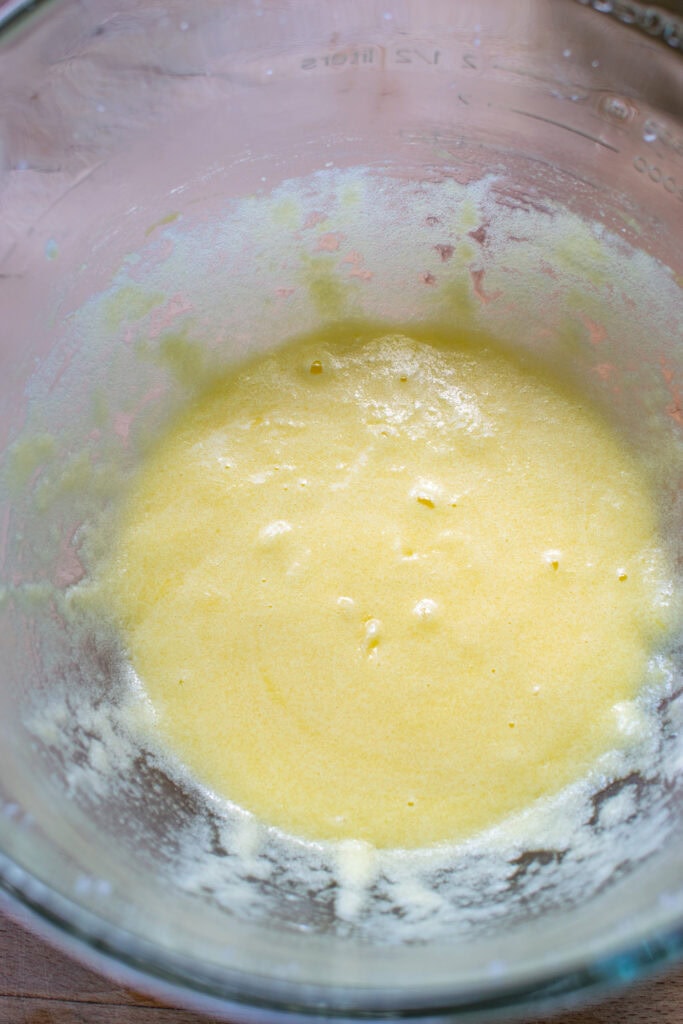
(185, 191)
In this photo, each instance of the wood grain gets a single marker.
(39, 985)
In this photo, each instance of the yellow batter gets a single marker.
(388, 588)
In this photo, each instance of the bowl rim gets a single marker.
(127, 958)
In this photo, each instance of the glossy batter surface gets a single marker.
(389, 588)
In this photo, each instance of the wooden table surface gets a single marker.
(41, 986)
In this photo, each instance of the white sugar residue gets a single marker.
(384, 895)
(631, 722)
(356, 865)
(96, 742)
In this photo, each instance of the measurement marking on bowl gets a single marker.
(654, 173)
(419, 54)
(359, 55)
(566, 127)
(656, 130)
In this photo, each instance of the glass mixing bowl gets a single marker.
(184, 183)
